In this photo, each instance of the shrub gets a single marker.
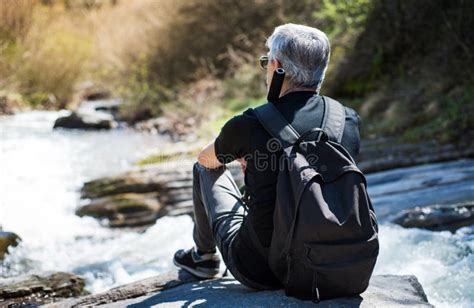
(144, 99)
(15, 22)
(55, 65)
(15, 19)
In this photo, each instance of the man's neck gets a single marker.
(287, 88)
(296, 89)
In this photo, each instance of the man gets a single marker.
(219, 208)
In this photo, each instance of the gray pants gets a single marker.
(219, 213)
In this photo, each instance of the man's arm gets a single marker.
(208, 158)
(231, 144)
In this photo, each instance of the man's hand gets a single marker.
(207, 158)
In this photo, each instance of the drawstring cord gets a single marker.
(315, 290)
(245, 200)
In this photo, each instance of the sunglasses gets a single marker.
(263, 61)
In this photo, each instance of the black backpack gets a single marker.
(325, 236)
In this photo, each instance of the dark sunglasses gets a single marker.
(263, 61)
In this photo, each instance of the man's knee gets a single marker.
(199, 169)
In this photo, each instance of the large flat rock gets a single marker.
(387, 153)
(442, 183)
(384, 291)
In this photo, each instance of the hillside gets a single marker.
(401, 64)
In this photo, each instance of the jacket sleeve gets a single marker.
(351, 136)
(233, 140)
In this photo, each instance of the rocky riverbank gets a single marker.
(436, 195)
(140, 196)
(388, 153)
(40, 288)
(401, 195)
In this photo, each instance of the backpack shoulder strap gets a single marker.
(334, 119)
(276, 124)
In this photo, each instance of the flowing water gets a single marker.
(41, 172)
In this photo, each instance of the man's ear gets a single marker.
(278, 64)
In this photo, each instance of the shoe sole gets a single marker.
(195, 272)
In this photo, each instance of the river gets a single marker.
(41, 172)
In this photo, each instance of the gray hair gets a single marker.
(303, 53)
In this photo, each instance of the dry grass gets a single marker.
(15, 19)
(15, 22)
(46, 50)
(142, 49)
(56, 54)
(129, 31)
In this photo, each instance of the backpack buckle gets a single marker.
(322, 135)
(288, 268)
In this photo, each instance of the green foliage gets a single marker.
(343, 21)
(403, 38)
(228, 108)
(145, 98)
(165, 157)
(236, 106)
(38, 99)
(396, 61)
(337, 17)
(453, 120)
(245, 82)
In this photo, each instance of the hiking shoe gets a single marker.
(203, 266)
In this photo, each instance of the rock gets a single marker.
(139, 197)
(166, 177)
(132, 290)
(438, 217)
(7, 239)
(124, 210)
(40, 288)
(160, 125)
(404, 188)
(386, 153)
(176, 290)
(75, 120)
(98, 105)
(176, 128)
(10, 103)
(391, 191)
(95, 114)
(144, 180)
(171, 182)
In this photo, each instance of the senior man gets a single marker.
(241, 228)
